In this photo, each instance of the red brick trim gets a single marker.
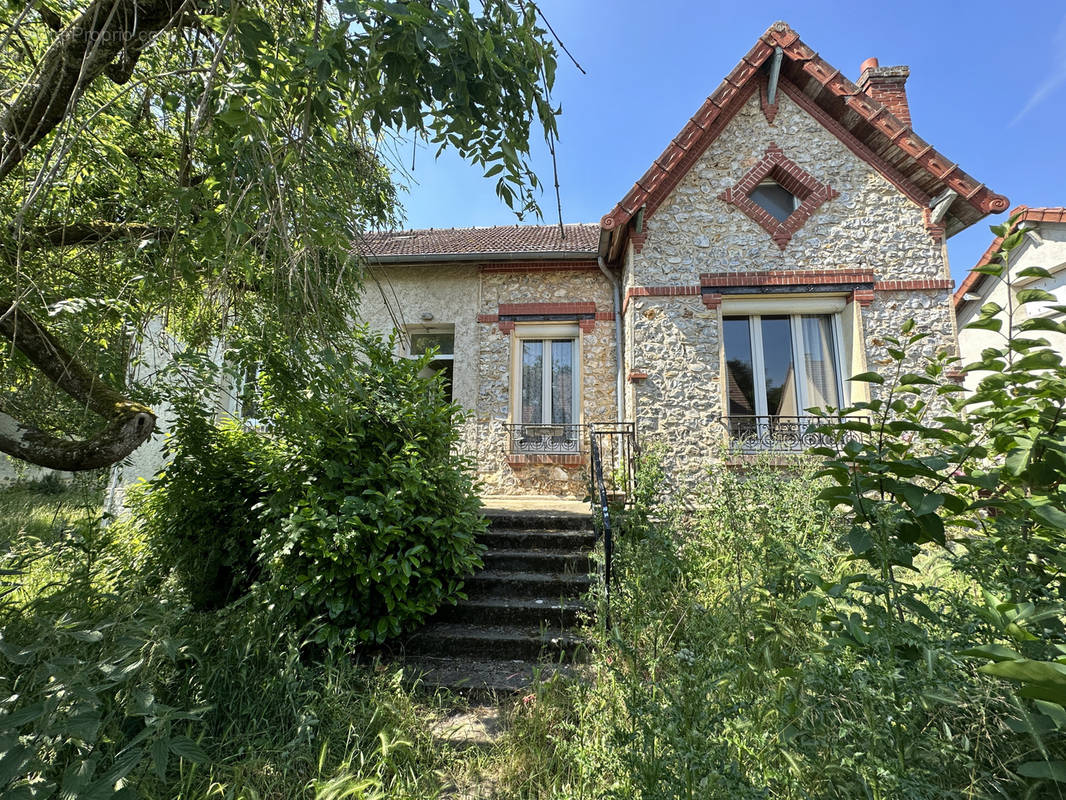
(862, 296)
(635, 376)
(638, 240)
(658, 291)
(910, 286)
(559, 459)
(584, 313)
(811, 192)
(769, 110)
(532, 309)
(787, 277)
(936, 230)
(539, 266)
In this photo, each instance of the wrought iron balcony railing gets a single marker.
(547, 438)
(756, 434)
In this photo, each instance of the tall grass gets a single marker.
(112, 683)
(730, 671)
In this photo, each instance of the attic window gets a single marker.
(778, 195)
(775, 200)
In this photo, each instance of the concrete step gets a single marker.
(481, 681)
(541, 520)
(524, 560)
(530, 611)
(494, 583)
(537, 539)
(494, 642)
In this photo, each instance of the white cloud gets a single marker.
(1056, 73)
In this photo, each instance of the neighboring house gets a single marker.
(793, 221)
(1044, 246)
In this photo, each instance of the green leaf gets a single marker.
(1050, 515)
(1046, 770)
(1041, 673)
(984, 324)
(993, 652)
(185, 748)
(868, 377)
(1034, 272)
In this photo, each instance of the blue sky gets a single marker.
(987, 88)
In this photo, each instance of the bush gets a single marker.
(372, 519)
(201, 514)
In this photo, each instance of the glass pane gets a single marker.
(779, 369)
(532, 380)
(445, 368)
(740, 375)
(421, 342)
(562, 381)
(775, 200)
(820, 362)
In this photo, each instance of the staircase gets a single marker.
(521, 610)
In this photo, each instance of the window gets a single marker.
(443, 363)
(775, 200)
(776, 366)
(546, 394)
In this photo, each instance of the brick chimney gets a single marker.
(887, 85)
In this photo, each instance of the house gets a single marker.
(794, 220)
(1044, 246)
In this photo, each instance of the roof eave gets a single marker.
(442, 258)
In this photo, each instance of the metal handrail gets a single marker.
(622, 438)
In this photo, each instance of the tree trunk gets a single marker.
(129, 423)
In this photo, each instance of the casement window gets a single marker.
(777, 364)
(546, 388)
(441, 338)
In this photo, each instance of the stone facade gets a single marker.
(869, 225)
(469, 297)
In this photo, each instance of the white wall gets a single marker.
(1049, 253)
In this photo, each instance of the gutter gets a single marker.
(616, 284)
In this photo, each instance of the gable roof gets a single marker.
(862, 123)
(497, 243)
(974, 280)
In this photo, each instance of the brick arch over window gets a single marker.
(776, 166)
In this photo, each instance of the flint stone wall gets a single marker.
(675, 340)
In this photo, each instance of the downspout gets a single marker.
(620, 369)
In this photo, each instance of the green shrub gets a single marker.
(201, 514)
(372, 519)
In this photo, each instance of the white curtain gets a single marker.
(820, 362)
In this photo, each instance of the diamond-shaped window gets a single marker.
(774, 199)
(779, 195)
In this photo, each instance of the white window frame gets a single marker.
(434, 330)
(545, 333)
(758, 364)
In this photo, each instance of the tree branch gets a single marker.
(80, 53)
(96, 232)
(129, 423)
